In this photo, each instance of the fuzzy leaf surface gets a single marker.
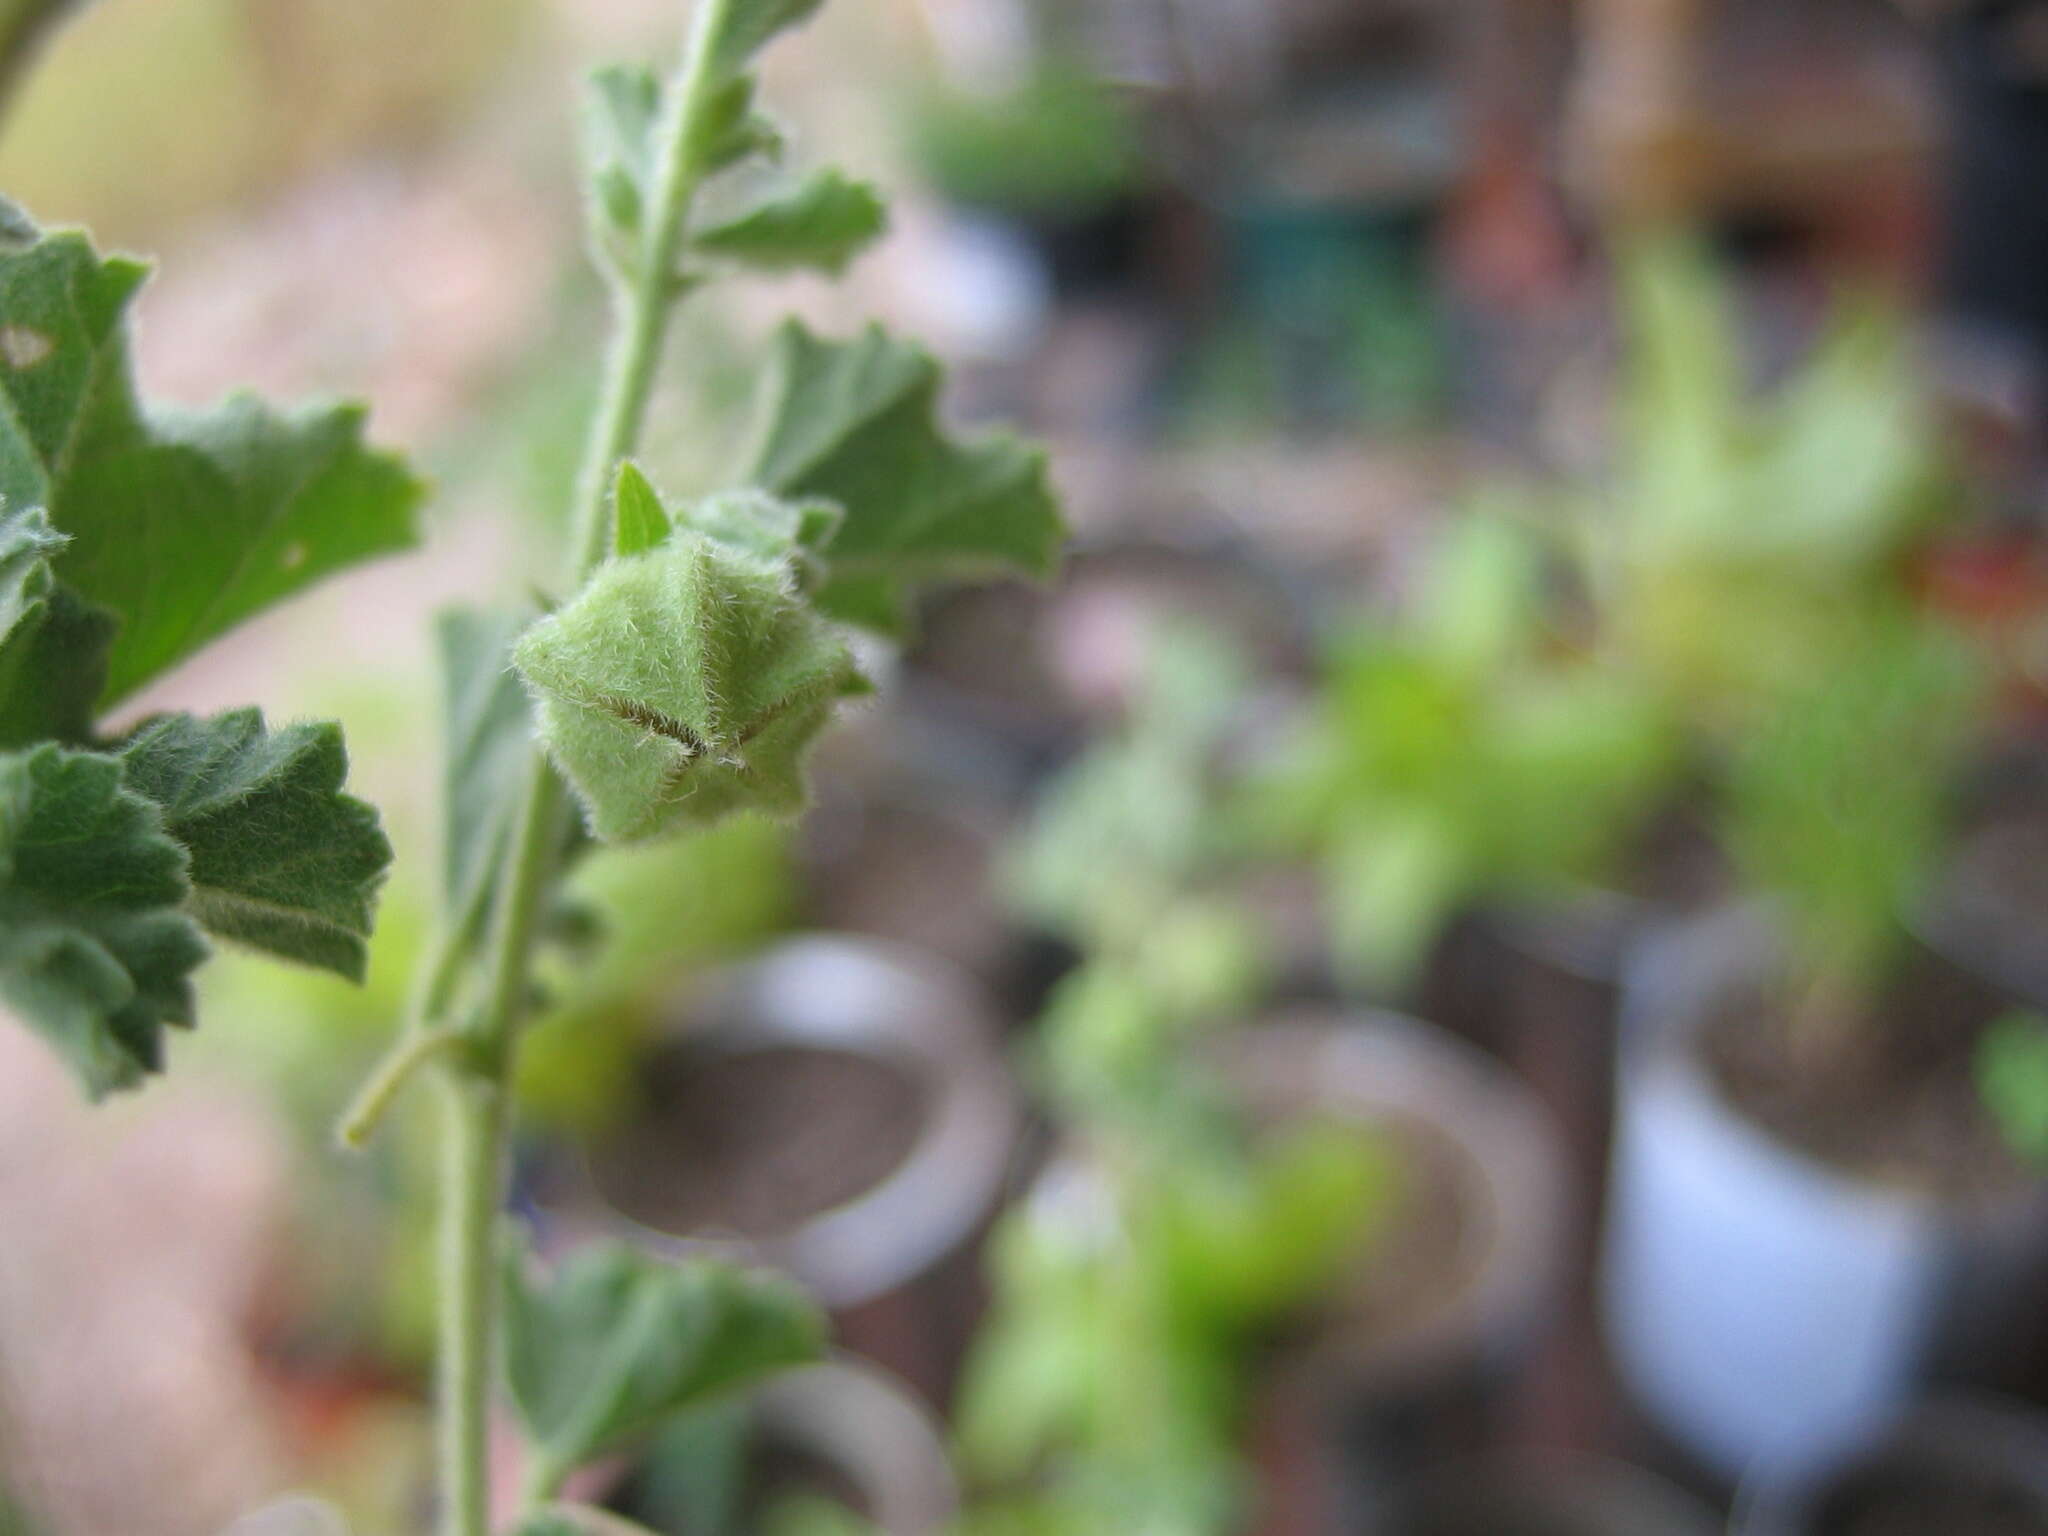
(281, 859)
(615, 1341)
(181, 524)
(639, 521)
(489, 732)
(820, 224)
(745, 28)
(95, 953)
(684, 685)
(856, 423)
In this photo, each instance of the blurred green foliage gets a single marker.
(1105, 1391)
(1461, 751)
(2012, 1077)
(1060, 143)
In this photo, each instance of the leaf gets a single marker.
(27, 544)
(95, 954)
(638, 521)
(621, 108)
(281, 859)
(682, 686)
(730, 130)
(822, 223)
(616, 1341)
(856, 423)
(743, 28)
(52, 670)
(181, 524)
(489, 739)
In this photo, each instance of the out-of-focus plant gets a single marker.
(1748, 542)
(1461, 751)
(2012, 1077)
(1836, 807)
(685, 659)
(1106, 1391)
(1061, 141)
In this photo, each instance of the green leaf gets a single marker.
(729, 130)
(682, 686)
(95, 954)
(616, 1341)
(822, 223)
(181, 524)
(638, 521)
(52, 670)
(27, 544)
(2011, 1068)
(744, 27)
(856, 423)
(489, 738)
(619, 115)
(282, 860)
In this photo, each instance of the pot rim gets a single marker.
(1380, 1066)
(866, 997)
(1665, 981)
(1971, 1433)
(875, 1429)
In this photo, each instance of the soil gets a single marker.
(1901, 1502)
(910, 875)
(757, 1142)
(1895, 1101)
(1995, 899)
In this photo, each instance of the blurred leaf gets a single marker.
(1394, 877)
(683, 686)
(281, 859)
(744, 28)
(95, 954)
(617, 1341)
(236, 507)
(856, 423)
(822, 223)
(620, 111)
(2012, 1078)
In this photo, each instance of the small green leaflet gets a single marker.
(638, 521)
(616, 1341)
(95, 954)
(856, 423)
(281, 859)
(822, 223)
(181, 524)
(579, 1520)
(684, 685)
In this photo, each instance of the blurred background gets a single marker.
(1471, 967)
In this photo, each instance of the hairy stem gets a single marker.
(477, 1109)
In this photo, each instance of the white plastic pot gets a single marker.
(1765, 1308)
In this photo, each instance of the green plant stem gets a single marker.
(477, 1109)
(413, 1051)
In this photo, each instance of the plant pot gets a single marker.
(1414, 1363)
(1556, 1496)
(843, 1430)
(1763, 1305)
(1956, 1467)
(836, 1109)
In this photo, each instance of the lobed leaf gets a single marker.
(180, 524)
(684, 685)
(95, 954)
(281, 859)
(616, 1341)
(856, 423)
(822, 223)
